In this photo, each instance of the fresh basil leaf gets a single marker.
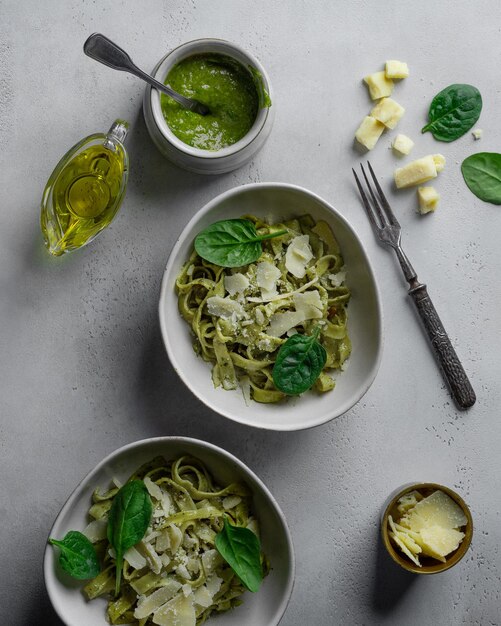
(231, 243)
(482, 174)
(78, 556)
(128, 520)
(299, 363)
(240, 548)
(453, 112)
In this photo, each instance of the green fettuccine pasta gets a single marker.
(241, 316)
(175, 571)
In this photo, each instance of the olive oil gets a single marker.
(85, 191)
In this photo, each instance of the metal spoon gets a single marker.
(102, 49)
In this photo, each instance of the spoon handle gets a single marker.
(105, 51)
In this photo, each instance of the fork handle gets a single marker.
(453, 371)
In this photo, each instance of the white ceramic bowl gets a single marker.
(265, 607)
(280, 201)
(195, 159)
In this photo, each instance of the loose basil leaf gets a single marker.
(128, 519)
(232, 243)
(453, 112)
(240, 548)
(78, 556)
(299, 363)
(482, 174)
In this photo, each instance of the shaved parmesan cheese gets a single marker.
(176, 537)
(163, 541)
(236, 283)
(202, 597)
(441, 541)
(267, 276)
(404, 548)
(253, 525)
(280, 323)
(153, 489)
(428, 525)
(182, 571)
(307, 302)
(260, 318)
(438, 509)
(149, 604)
(404, 536)
(134, 559)
(224, 307)
(152, 558)
(337, 279)
(298, 255)
(176, 612)
(231, 502)
(213, 584)
(308, 306)
(211, 559)
(96, 530)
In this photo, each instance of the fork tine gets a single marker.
(377, 207)
(386, 206)
(366, 203)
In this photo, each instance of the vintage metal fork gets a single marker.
(388, 231)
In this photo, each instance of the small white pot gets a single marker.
(195, 159)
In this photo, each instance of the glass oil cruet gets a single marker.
(85, 190)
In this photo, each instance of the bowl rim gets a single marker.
(165, 289)
(50, 579)
(153, 96)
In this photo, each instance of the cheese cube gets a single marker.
(379, 85)
(396, 69)
(439, 161)
(477, 133)
(388, 112)
(369, 132)
(403, 145)
(428, 199)
(415, 173)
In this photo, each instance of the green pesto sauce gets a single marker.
(226, 87)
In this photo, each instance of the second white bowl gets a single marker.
(280, 201)
(265, 607)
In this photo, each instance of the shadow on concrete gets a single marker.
(40, 613)
(169, 408)
(391, 582)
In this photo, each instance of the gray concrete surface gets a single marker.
(83, 368)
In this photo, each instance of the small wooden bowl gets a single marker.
(429, 565)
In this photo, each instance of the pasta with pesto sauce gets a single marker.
(174, 575)
(241, 316)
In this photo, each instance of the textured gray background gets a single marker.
(83, 368)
